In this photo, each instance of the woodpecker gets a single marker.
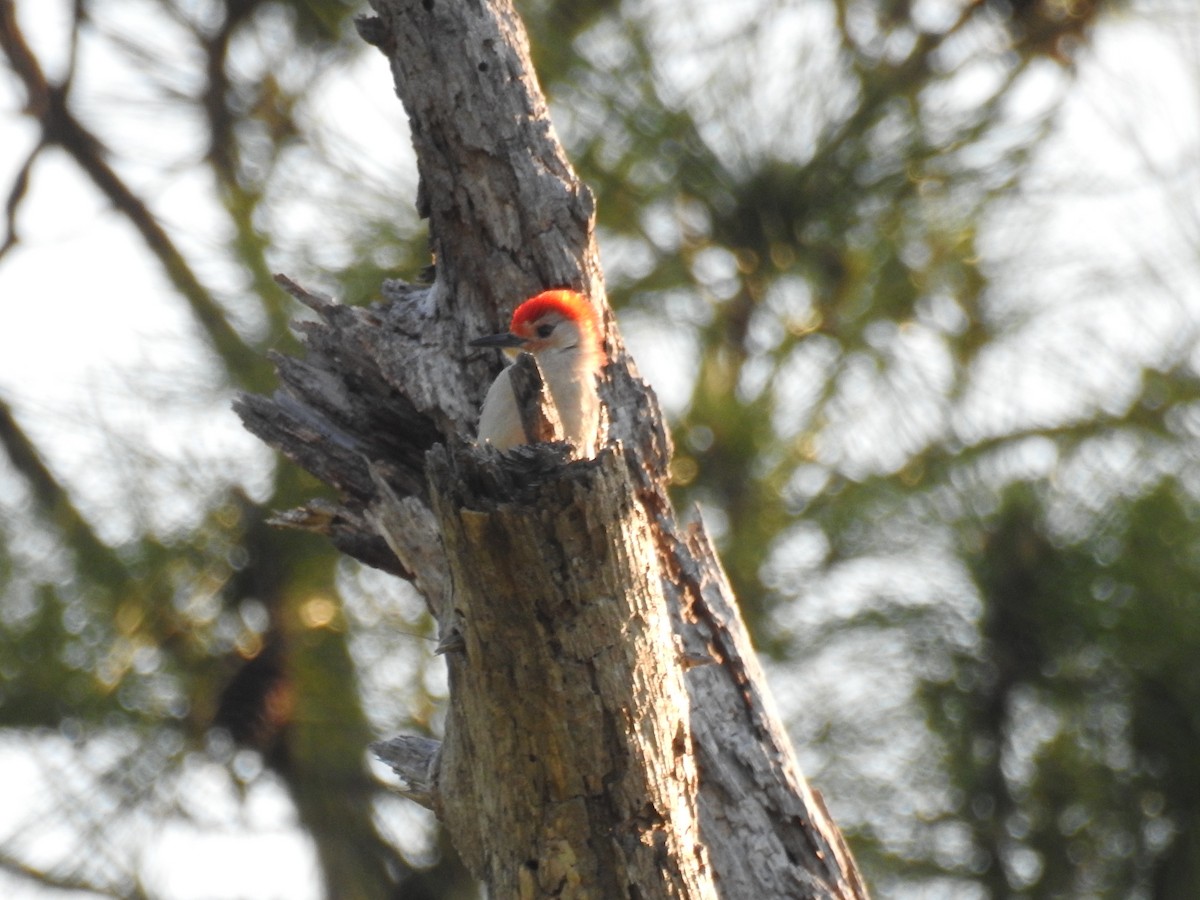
(561, 330)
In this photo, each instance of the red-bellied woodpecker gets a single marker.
(561, 330)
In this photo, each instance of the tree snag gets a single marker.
(610, 733)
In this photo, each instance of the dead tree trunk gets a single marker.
(609, 732)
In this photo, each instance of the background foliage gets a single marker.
(917, 282)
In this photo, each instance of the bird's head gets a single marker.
(554, 321)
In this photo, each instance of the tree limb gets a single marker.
(47, 103)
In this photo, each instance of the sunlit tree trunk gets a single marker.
(609, 732)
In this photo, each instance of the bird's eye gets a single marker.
(543, 331)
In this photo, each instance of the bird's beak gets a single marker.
(507, 339)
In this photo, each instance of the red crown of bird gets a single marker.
(567, 303)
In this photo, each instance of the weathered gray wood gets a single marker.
(756, 808)
(411, 532)
(416, 760)
(555, 580)
(567, 690)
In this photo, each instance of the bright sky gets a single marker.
(85, 316)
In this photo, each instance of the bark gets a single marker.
(567, 687)
(610, 733)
